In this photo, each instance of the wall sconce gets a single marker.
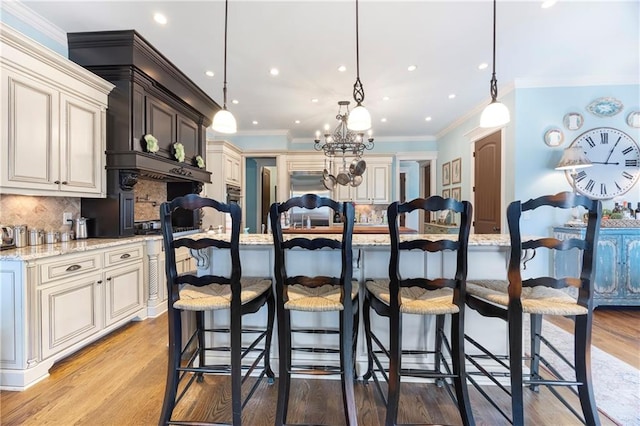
(573, 158)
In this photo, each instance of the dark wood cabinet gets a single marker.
(151, 96)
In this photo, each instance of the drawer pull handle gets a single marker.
(73, 268)
(125, 256)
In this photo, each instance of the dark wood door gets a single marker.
(487, 196)
(266, 195)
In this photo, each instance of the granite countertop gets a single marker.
(357, 229)
(359, 240)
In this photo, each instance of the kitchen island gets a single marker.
(57, 298)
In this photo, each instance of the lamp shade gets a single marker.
(573, 158)
(495, 114)
(359, 119)
(224, 122)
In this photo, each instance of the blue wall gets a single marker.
(26, 29)
(250, 195)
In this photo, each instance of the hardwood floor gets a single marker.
(120, 380)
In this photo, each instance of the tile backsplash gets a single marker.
(37, 212)
(149, 194)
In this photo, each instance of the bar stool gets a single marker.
(309, 293)
(438, 296)
(539, 295)
(235, 293)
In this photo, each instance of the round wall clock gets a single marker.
(616, 163)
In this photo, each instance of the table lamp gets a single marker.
(573, 158)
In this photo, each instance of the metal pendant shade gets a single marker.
(224, 121)
(359, 119)
(495, 114)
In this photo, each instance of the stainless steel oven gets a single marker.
(234, 194)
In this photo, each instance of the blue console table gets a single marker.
(617, 280)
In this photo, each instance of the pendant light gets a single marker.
(224, 121)
(496, 113)
(359, 118)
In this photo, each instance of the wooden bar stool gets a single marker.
(309, 293)
(237, 294)
(437, 296)
(539, 295)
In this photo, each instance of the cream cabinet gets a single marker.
(224, 161)
(375, 187)
(53, 306)
(52, 124)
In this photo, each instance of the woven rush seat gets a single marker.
(535, 300)
(218, 296)
(319, 299)
(416, 300)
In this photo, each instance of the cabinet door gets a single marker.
(82, 149)
(607, 285)
(123, 291)
(343, 193)
(188, 136)
(631, 256)
(29, 151)
(161, 123)
(70, 312)
(379, 184)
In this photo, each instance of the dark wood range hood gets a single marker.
(151, 96)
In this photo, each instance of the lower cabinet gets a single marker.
(53, 306)
(617, 263)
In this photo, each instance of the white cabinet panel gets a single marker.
(70, 313)
(123, 291)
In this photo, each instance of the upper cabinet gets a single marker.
(53, 115)
(375, 187)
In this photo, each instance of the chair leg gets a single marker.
(395, 364)
(582, 358)
(271, 313)
(346, 367)
(366, 318)
(536, 331)
(201, 344)
(438, 347)
(175, 350)
(514, 322)
(284, 378)
(458, 361)
(356, 325)
(236, 366)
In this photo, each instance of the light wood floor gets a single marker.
(120, 380)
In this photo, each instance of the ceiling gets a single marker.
(569, 43)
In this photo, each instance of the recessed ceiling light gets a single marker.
(160, 18)
(427, 119)
(297, 121)
(483, 66)
(548, 3)
(314, 100)
(209, 73)
(235, 101)
(385, 98)
(254, 122)
(274, 71)
(451, 96)
(342, 68)
(383, 120)
(411, 68)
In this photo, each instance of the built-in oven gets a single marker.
(234, 194)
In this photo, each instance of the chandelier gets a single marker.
(344, 143)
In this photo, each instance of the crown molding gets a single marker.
(530, 83)
(416, 139)
(22, 12)
(275, 132)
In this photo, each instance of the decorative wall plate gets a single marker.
(573, 120)
(633, 119)
(553, 137)
(605, 107)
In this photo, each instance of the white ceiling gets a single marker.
(569, 43)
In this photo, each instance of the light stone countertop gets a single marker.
(359, 240)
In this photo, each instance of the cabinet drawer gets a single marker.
(123, 255)
(69, 267)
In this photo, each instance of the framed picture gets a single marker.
(456, 170)
(455, 193)
(446, 193)
(446, 173)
